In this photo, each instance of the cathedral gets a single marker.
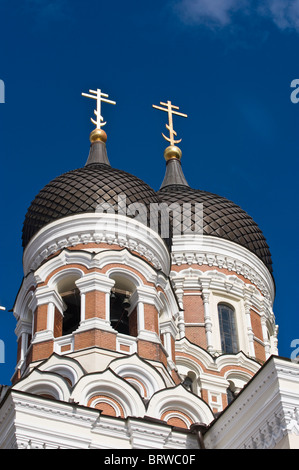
(145, 318)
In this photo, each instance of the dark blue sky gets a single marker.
(228, 64)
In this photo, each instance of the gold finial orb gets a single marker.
(98, 134)
(172, 152)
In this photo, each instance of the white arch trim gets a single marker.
(147, 378)
(64, 366)
(62, 274)
(38, 383)
(179, 399)
(109, 384)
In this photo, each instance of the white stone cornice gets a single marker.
(44, 295)
(264, 413)
(221, 253)
(96, 228)
(23, 327)
(94, 324)
(168, 327)
(94, 281)
(33, 422)
(148, 295)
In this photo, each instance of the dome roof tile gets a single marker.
(222, 218)
(81, 190)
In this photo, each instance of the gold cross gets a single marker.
(170, 110)
(99, 96)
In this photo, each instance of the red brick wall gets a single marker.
(99, 338)
(58, 320)
(133, 323)
(196, 335)
(194, 310)
(151, 320)
(95, 305)
(41, 350)
(258, 333)
(41, 314)
(152, 351)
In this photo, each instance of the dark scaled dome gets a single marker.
(80, 191)
(222, 218)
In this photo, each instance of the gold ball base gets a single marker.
(172, 152)
(98, 134)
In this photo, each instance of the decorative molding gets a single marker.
(96, 228)
(274, 416)
(204, 360)
(231, 288)
(223, 254)
(95, 281)
(179, 399)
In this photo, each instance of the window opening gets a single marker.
(71, 316)
(119, 305)
(228, 330)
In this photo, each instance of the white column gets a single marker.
(208, 320)
(265, 337)
(140, 317)
(181, 324)
(146, 295)
(46, 296)
(250, 335)
(179, 290)
(82, 306)
(168, 330)
(50, 316)
(23, 330)
(95, 282)
(24, 345)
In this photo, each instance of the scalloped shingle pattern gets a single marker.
(221, 218)
(80, 191)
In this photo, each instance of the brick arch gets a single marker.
(177, 418)
(108, 405)
(63, 271)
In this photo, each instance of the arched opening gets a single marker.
(123, 314)
(228, 328)
(189, 382)
(119, 305)
(230, 395)
(71, 297)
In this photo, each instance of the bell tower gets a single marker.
(221, 270)
(95, 281)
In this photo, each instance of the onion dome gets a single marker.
(221, 218)
(82, 190)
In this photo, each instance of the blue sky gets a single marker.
(228, 64)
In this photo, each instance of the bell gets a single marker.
(126, 303)
(187, 383)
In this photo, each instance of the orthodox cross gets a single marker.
(170, 109)
(99, 96)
